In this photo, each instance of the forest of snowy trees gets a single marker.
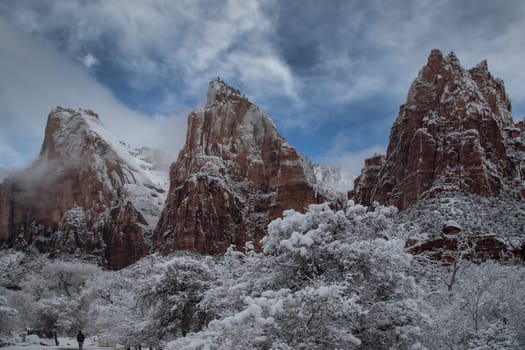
(327, 279)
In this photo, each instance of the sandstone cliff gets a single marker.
(234, 174)
(86, 193)
(454, 133)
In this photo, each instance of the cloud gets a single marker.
(313, 67)
(180, 45)
(350, 161)
(89, 60)
(11, 158)
(36, 78)
(354, 51)
(311, 53)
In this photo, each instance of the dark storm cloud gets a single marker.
(300, 34)
(336, 51)
(311, 35)
(344, 52)
(488, 18)
(310, 32)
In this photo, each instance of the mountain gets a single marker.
(88, 193)
(333, 182)
(234, 175)
(454, 133)
(3, 174)
(85, 193)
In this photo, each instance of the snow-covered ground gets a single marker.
(330, 279)
(33, 342)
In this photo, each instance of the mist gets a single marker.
(33, 71)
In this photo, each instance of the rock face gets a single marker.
(86, 193)
(234, 174)
(477, 248)
(455, 132)
(364, 184)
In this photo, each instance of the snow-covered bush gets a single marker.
(301, 241)
(312, 318)
(328, 278)
(501, 216)
(57, 290)
(112, 314)
(7, 315)
(321, 224)
(314, 244)
(323, 283)
(173, 305)
(47, 294)
(484, 311)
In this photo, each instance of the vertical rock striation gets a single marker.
(455, 132)
(234, 174)
(86, 193)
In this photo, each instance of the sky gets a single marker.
(331, 74)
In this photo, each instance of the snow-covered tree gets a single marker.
(48, 293)
(173, 305)
(320, 285)
(332, 277)
(483, 311)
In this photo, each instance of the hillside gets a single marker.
(86, 193)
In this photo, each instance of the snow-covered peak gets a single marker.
(230, 126)
(218, 90)
(87, 192)
(455, 132)
(483, 66)
(234, 174)
(436, 52)
(452, 59)
(67, 132)
(474, 92)
(73, 136)
(77, 139)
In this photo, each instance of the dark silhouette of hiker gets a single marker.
(55, 336)
(80, 339)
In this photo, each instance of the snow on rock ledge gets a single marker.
(233, 176)
(86, 193)
(455, 132)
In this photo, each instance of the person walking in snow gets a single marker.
(55, 336)
(80, 339)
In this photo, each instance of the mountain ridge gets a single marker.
(85, 193)
(89, 193)
(232, 176)
(455, 132)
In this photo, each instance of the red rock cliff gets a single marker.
(455, 132)
(84, 194)
(234, 174)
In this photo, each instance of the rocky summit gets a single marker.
(234, 175)
(90, 194)
(86, 193)
(454, 133)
